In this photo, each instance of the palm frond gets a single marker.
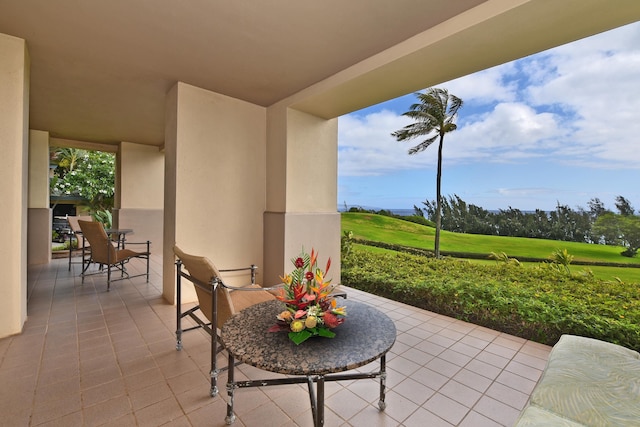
(433, 116)
(423, 145)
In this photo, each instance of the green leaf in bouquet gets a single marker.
(300, 337)
(327, 333)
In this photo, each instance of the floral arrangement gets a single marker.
(311, 310)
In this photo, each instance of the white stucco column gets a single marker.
(39, 221)
(14, 135)
(140, 193)
(301, 191)
(214, 180)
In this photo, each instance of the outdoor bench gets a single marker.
(586, 382)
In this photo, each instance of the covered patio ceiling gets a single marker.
(100, 70)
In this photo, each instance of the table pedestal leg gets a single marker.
(383, 382)
(320, 408)
(230, 418)
(317, 405)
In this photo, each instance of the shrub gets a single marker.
(538, 303)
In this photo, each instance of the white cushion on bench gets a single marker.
(537, 417)
(586, 382)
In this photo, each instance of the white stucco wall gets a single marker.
(312, 163)
(38, 169)
(39, 212)
(141, 176)
(301, 190)
(14, 133)
(140, 193)
(215, 179)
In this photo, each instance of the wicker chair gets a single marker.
(104, 253)
(214, 307)
(76, 233)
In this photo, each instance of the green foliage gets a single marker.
(563, 258)
(563, 223)
(596, 225)
(503, 257)
(88, 174)
(539, 303)
(300, 337)
(67, 159)
(69, 244)
(620, 229)
(624, 206)
(104, 217)
(346, 243)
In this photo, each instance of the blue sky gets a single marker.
(561, 126)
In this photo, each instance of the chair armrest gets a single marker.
(147, 252)
(226, 270)
(247, 288)
(339, 294)
(253, 269)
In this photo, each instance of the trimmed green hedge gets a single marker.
(540, 303)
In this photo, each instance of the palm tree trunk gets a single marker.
(438, 198)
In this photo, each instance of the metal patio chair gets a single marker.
(217, 301)
(76, 233)
(104, 253)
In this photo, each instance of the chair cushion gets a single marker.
(242, 299)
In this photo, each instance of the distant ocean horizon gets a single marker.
(396, 211)
(404, 211)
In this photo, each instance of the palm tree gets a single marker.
(67, 158)
(433, 117)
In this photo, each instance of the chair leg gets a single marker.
(178, 309)
(70, 250)
(231, 417)
(108, 277)
(214, 367)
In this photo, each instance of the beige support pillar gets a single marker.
(301, 191)
(39, 220)
(14, 134)
(214, 180)
(140, 192)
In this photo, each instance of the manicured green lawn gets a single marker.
(391, 230)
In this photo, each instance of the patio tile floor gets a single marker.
(88, 357)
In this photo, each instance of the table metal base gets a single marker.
(316, 396)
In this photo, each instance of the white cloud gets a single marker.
(597, 81)
(485, 86)
(523, 192)
(367, 147)
(581, 108)
(512, 130)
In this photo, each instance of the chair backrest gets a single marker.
(102, 251)
(203, 270)
(75, 227)
(73, 221)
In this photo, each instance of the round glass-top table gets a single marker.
(365, 336)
